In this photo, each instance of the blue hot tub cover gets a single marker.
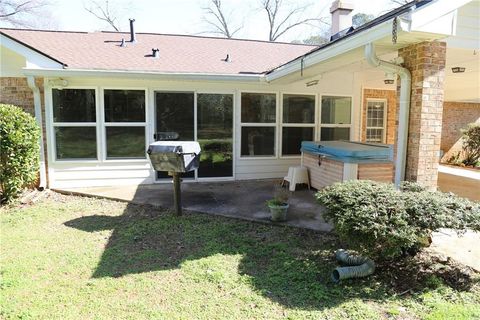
(350, 151)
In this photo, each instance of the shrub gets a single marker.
(384, 222)
(471, 145)
(19, 151)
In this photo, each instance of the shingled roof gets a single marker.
(177, 53)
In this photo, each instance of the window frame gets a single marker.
(276, 143)
(104, 125)
(51, 124)
(333, 125)
(282, 125)
(385, 117)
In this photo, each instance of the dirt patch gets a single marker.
(425, 270)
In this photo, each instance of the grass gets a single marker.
(75, 258)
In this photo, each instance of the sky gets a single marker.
(185, 16)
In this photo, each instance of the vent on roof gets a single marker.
(155, 52)
(123, 44)
(227, 58)
(133, 37)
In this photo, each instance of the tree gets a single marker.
(361, 18)
(218, 20)
(400, 2)
(282, 18)
(104, 12)
(21, 13)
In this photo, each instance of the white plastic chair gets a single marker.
(295, 176)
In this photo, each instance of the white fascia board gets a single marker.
(355, 41)
(428, 17)
(33, 58)
(144, 75)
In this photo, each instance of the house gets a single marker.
(102, 97)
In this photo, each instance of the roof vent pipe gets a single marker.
(341, 12)
(155, 52)
(123, 44)
(405, 88)
(133, 37)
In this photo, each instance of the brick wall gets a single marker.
(17, 92)
(456, 116)
(391, 97)
(426, 62)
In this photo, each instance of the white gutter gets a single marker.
(144, 75)
(405, 89)
(37, 103)
(341, 47)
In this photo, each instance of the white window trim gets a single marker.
(51, 125)
(276, 144)
(333, 125)
(282, 125)
(105, 124)
(385, 114)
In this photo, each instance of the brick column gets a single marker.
(426, 62)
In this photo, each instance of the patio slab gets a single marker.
(463, 182)
(236, 199)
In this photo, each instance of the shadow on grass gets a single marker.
(290, 266)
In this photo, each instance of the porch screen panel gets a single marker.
(298, 122)
(335, 118)
(125, 123)
(175, 114)
(215, 134)
(258, 124)
(75, 124)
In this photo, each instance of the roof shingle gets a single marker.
(178, 53)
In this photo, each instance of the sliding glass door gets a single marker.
(214, 133)
(175, 120)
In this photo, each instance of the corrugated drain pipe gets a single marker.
(37, 103)
(357, 266)
(405, 87)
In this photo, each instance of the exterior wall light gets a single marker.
(389, 78)
(458, 69)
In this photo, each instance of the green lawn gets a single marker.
(68, 257)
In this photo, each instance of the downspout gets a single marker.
(405, 88)
(38, 116)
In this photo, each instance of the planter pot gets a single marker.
(279, 212)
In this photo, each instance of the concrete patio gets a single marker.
(236, 199)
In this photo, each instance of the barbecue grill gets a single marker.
(175, 157)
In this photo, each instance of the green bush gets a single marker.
(19, 151)
(471, 145)
(383, 222)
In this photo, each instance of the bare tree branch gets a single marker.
(216, 18)
(291, 19)
(102, 12)
(21, 13)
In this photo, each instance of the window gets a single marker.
(258, 121)
(298, 122)
(335, 118)
(74, 124)
(124, 112)
(376, 114)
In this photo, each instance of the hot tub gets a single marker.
(336, 161)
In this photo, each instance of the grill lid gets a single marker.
(174, 146)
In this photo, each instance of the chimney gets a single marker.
(341, 15)
(133, 37)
